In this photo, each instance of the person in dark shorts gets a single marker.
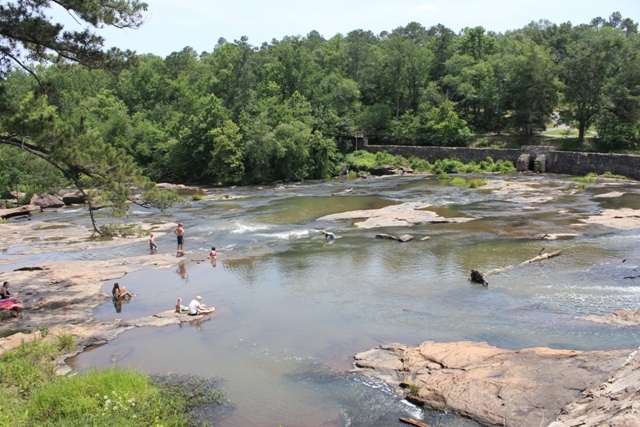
(179, 231)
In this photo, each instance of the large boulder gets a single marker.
(73, 199)
(383, 170)
(169, 186)
(493, 386)
(16, 194)
(25, 210)
(46, 201)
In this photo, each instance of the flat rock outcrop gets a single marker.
(401, 215)
(493, 386)
(19, 211)
(622, 219)
(614, 403)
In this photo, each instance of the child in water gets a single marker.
(152, 244)
(212, 254)
(181, 308)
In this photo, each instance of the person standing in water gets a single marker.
(152, 244)
(179, 231)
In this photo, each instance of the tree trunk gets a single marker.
(581, 129)
(478, 277)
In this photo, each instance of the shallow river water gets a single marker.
(292, 309)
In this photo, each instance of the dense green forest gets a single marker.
(288, 109)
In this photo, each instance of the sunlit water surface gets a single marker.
(292, 309)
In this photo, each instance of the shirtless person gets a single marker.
(181, 308)
(179, 231)
(152, 244)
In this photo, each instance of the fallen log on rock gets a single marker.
(403, 239)
(386, 236)
(31, 268)
(340, 193)
(481, 278)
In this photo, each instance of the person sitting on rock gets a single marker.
(120, 293)
(212, 254)
(195, 307)
(4, 291)
(181, 308)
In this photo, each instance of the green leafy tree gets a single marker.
(534, 88)
(619, 122)
(103, 173)
(442, 126)
(226, 163)
(594, 57)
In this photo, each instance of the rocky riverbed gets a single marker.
(62, 294)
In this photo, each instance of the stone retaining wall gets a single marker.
(562, 162)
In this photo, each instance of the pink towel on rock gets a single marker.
(9, 304)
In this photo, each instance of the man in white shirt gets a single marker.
(195, 307)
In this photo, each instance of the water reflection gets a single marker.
(182, 270)
(117, 303)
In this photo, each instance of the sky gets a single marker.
(172, 25)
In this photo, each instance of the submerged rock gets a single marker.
(618, 318)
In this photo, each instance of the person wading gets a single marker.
(179, 231)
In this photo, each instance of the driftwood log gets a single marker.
(481, 278)
(340, 193)
(413, 422)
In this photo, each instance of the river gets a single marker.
(292, 308)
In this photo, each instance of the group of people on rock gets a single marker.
(179, 232)
(194, 308)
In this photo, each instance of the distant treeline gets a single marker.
(288, 109)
